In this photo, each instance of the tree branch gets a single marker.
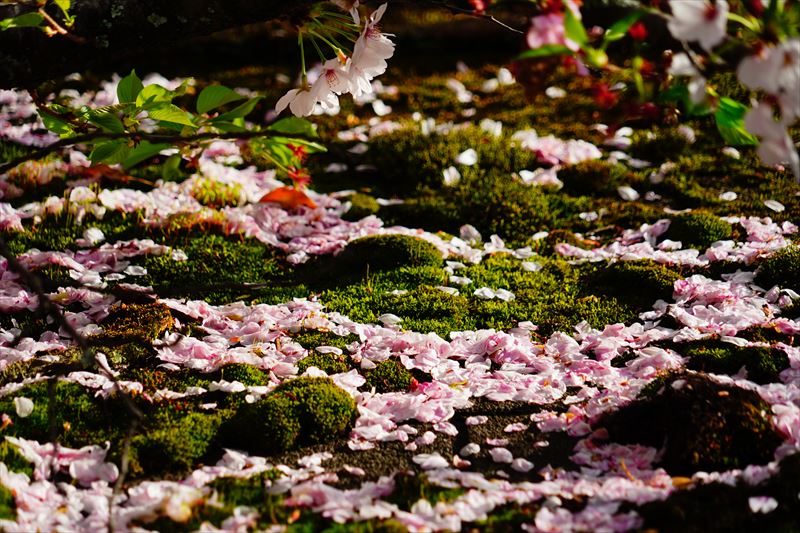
(150, 137)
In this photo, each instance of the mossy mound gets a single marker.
(173, 443)
(310, 339)
(701, 424)
(135, 322)
(389, 376)
(299, 412)
(781, 268)
(596, 177)
(720, 507)
(245, 374)
(698, 229)
(407, 160)
(330, 363)
(763, 364)
(220, 269)
(377, 253)
(216, 194)
(361, 205)
(14, 461)
(639, 283)
(658, 145)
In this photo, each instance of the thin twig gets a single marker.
(472, 13)
(150, 137)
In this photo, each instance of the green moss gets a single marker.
(637, 283)
(720, 507)
(135, 322)
(385, 252)
(78, 418)
(702, 425)
(410, 488)
(216, 194)
(8, 504)
(59, 232)
(781, 268)
(408, 160)
(10, 456)
(299, 412)
(330, 363)
(658, 145)
(174, 444)
(245, 374)
(389, 376)
(763, 364)
(595, 177)
(220, 269)
(154, 379)
(310, 339)
(698, 229)
(361, 205)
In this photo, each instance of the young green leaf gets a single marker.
(154, 93)
(171, 169)
(170, 113)
(294, 125)
(730, 123)
(129, 88)
(109, 152)
(545, 51)
(214, 96)
(241, 110)
(54, 124)
(107, 121)
(144, 150)
(28, 20)
(618, 30)
(573, 28)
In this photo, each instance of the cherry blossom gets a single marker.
(699, 20)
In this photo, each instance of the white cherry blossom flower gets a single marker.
(776, 146)
(699, 20)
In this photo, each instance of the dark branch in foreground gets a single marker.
(149, 137)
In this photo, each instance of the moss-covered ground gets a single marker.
(700, 424)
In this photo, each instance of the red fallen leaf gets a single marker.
(288, 198)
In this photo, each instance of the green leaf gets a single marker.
(544, 51)
(618, 30)
(143, 151)
(226, 126)
(54, 124)
(64, 6)
(678, 93)
(294, 125)
(214, 96)
(170, 113)
(730, 123)
(171, 169)
(109, 152)
(241, 110)
(154, 93)
(129, 88)
(573, 28)
(107, 121)
(28, 20)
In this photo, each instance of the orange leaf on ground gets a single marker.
(288, 198)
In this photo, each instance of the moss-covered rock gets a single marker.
(175, 444)
(595, 177)
(701, 424)
(389, 376)
(243, 373)
(698, 229)
(361, 205)
(216, 194)
(781, 268)
(135, 322)
(658, 145)
(14, 461)
(330, 363)
(386, 252)
(299, 412)
(763, 364)
(639, 283)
